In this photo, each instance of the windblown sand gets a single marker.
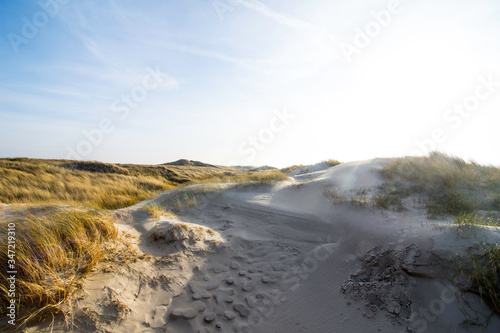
(283, 258)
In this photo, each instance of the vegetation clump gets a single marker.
(55, 248)
(155, 211)
(480, 266)
(446, 184)
(332, 162)
(258, 177)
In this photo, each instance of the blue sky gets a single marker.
(249, 82)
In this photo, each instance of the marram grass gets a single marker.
(55, 248)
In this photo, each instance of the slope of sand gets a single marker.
(283, 258)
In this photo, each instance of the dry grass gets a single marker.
(91, 184)
(55, 248)
(449, 184)
(332, 162)
(184, 200)
(249, 178)
(292, 168)
(356, 198)
(155, 211)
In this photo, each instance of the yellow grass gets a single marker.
(332, 162)
(259, 177)
(91, 184)
(292, 168)
(55, 248)
(155, 211)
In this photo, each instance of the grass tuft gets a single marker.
(156, 211)
(292, 168)
(184, 200)
(481, 268)
(481, 264)
(332, 162)
(356, 198)
(55, 248)
(470, 220)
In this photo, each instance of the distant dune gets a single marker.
(184, 162)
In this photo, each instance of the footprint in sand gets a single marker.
(235, 293)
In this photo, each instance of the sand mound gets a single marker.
(186, 235)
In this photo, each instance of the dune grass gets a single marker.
(258, 177)
(28, 182)
(483, 271)
(292, 168)
(361, 197)
(91, 184)
(448, 184)
(332, 162)
(481, 265)
(156, 211)
(55, 248)
(468, 220)
(105, 185)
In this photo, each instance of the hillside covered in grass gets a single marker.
(96, 184)
(446, 184)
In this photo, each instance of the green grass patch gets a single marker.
(469, 220)
(481, 267)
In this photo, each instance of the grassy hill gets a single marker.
(96, 184)
(446, 184)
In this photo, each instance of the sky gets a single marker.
(249, 82)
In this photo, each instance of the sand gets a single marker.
(283, 258)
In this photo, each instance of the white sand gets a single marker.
(283, 258)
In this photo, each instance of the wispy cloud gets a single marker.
(287, 19)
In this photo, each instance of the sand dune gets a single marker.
(283, 258)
